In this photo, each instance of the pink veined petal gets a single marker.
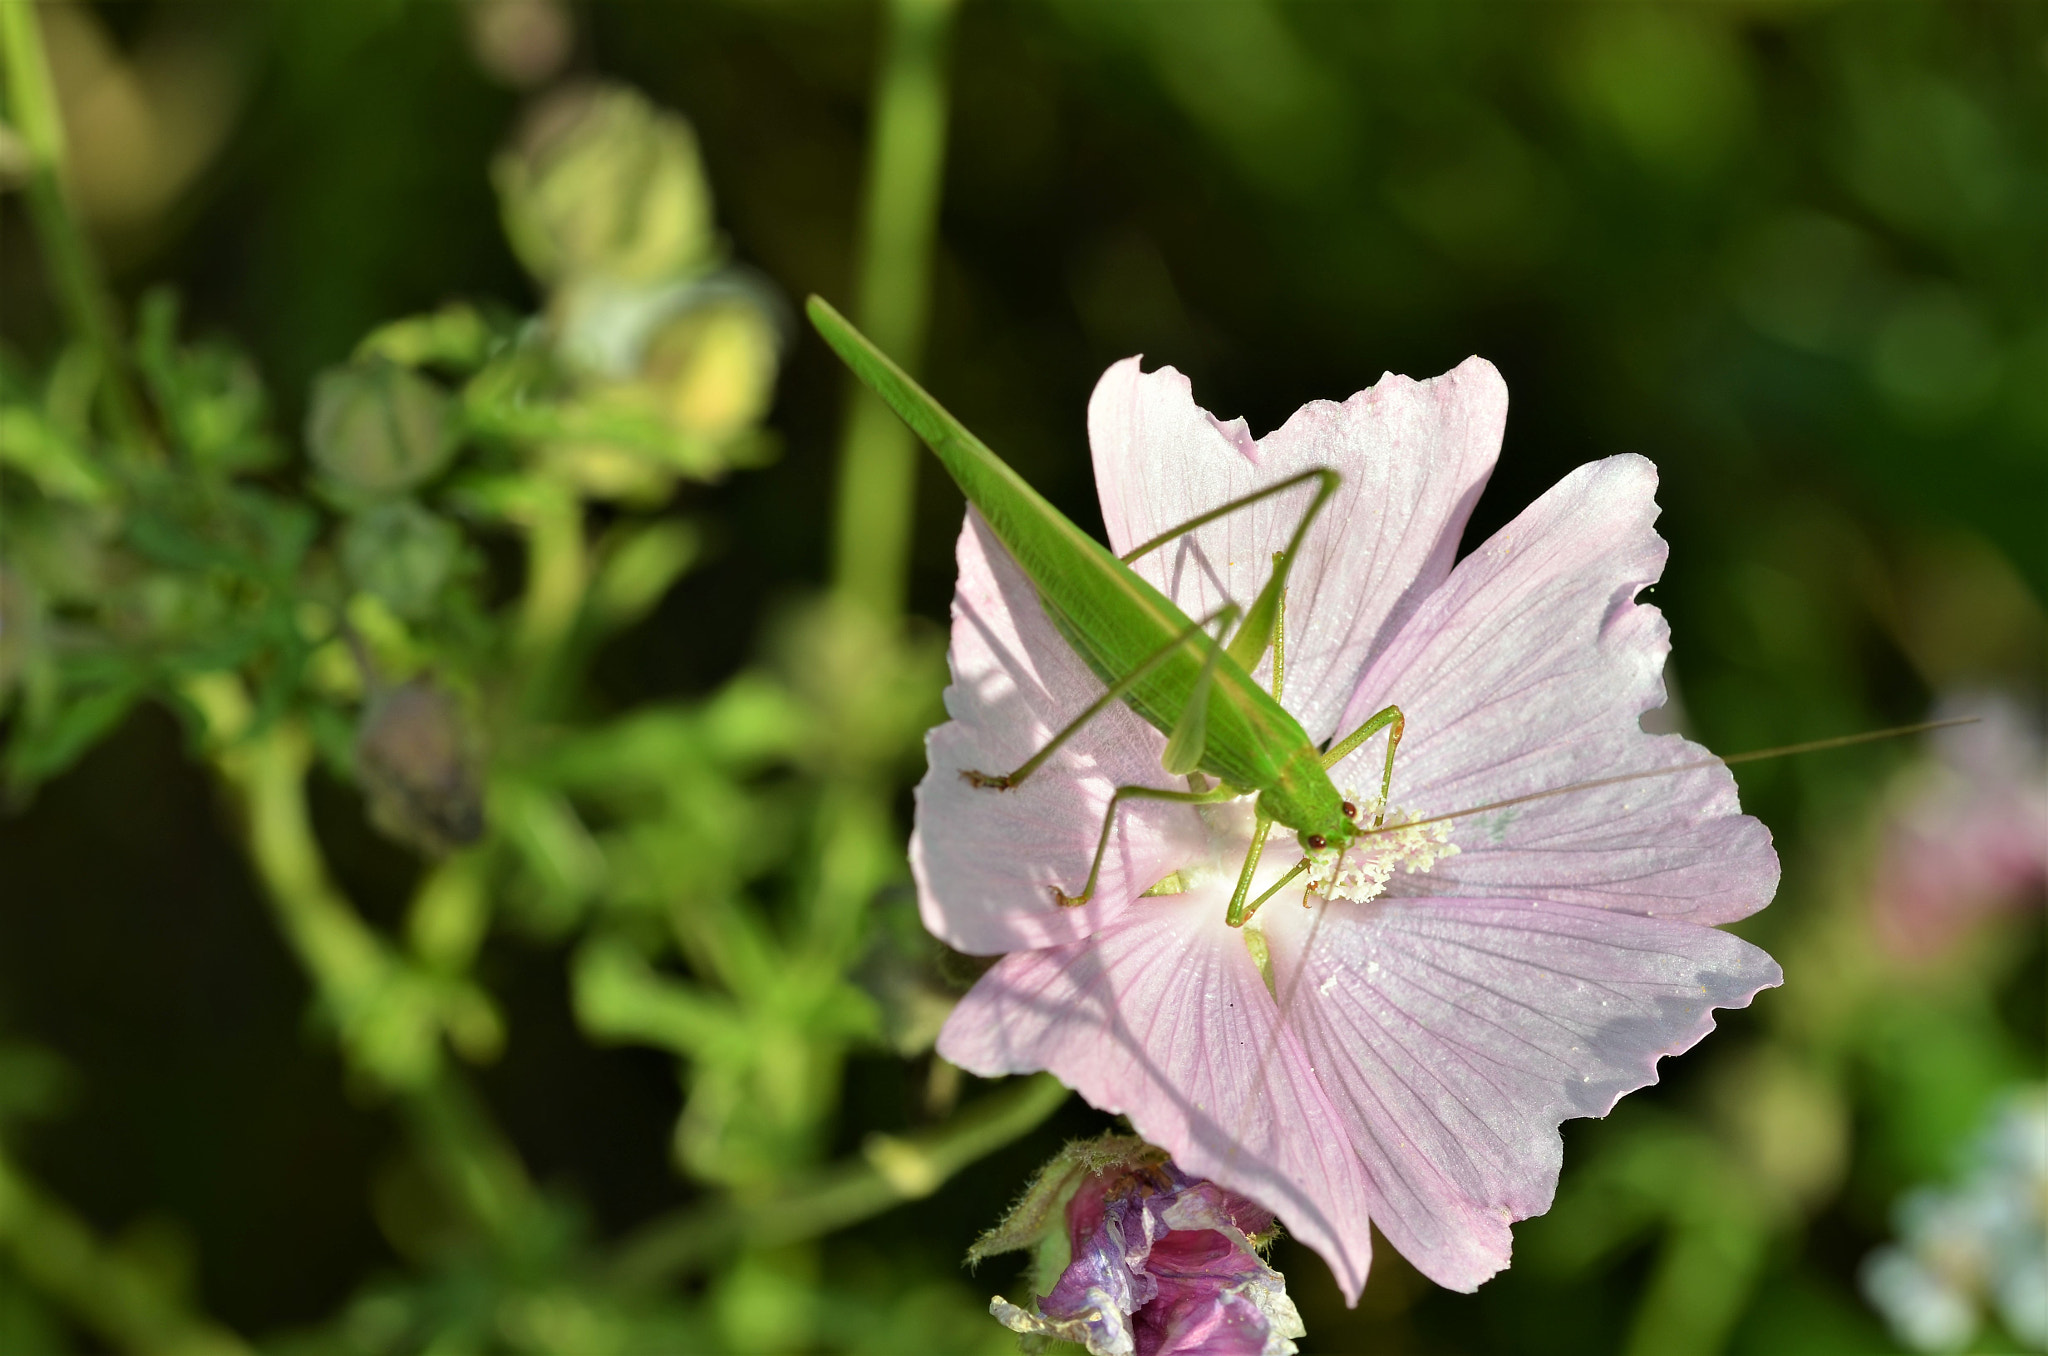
(1454, 1035)
(1162, 1016)
(1197, 1320)
(986, 862)
(1529, 669)
(1413, 456)
(1204, 1274)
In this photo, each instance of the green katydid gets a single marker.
(1194, 688)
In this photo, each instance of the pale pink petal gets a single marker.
(1162, 1016)
(1414, 456)
(1454, 1035)
(987, 861)
(1529, 669)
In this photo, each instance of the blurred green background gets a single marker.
(1796, 253)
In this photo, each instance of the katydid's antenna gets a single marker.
(1810, 746)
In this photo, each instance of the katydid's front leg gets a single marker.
(1124, 793)
(1279, 630)
(1004, 781)
(1238, 913)
(1389, 719)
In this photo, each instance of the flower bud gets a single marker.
(521, 43)
(599, 182)
(379, 429)
(401, 553)
(711, 370)
(414, 759)
(669, 379)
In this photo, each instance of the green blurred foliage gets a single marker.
(573, 1018)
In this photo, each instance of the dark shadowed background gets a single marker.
(1796, 253)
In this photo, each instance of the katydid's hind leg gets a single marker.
(1328, 484)
(1005, 780)
(1252, 637)
(1123, 793)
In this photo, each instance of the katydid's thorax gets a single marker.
(1304, 798)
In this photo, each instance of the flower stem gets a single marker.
(267, 772)
(32, 108)
(878, 456)
(361, 982)
(890, 1171)
(557, 573)
(107, 1292)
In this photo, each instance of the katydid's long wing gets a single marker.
(1111, 616)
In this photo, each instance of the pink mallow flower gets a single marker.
(1400, 1048)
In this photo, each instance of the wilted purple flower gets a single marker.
(1968, 835)
(1160, 1263)
(1403, 1049)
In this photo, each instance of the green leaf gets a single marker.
(211, 398)
(619, 997)
(637, 570)
(164, 539)
(456, 336)
(39, 450)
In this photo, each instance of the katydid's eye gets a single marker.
(1350, 810)
(1316, 842)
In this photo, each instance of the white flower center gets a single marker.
(1360, 872)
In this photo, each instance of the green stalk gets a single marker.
(360, 980)
(267, 771)
(878, 456)
(106, 1292)
(557, 574)
(891, 1170)
(89, 309)
(474, 1164)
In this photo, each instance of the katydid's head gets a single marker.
(1337, 833)
(1373, 851)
